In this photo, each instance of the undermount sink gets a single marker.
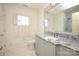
(49, 38)
(64, 42)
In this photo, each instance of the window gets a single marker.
(23, 20)
(46, 23)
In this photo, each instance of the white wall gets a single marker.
(12, 11)
(75, 22)
(58, 22)
(50, 19)
(2, 31)
(17, 36)
(40, 21)
(55, 22)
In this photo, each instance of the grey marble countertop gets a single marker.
(72, 44)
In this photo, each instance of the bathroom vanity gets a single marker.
(52, 46)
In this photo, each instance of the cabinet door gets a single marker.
(37, 45)
(64, 51)
(50, 49)
(39, 48)
(47, 48)
(44, 48)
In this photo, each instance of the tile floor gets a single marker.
(21, 50)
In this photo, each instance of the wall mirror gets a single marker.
(57, 18)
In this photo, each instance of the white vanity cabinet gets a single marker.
(39, 47)
(44, 48)
(65, 51)
(47, 48)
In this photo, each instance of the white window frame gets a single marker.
(23, 20)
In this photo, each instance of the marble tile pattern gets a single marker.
(71, 36)
(70, 40)
(70, 47)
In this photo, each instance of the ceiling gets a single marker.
(62, 7)
(50, 7)
(36, 5)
